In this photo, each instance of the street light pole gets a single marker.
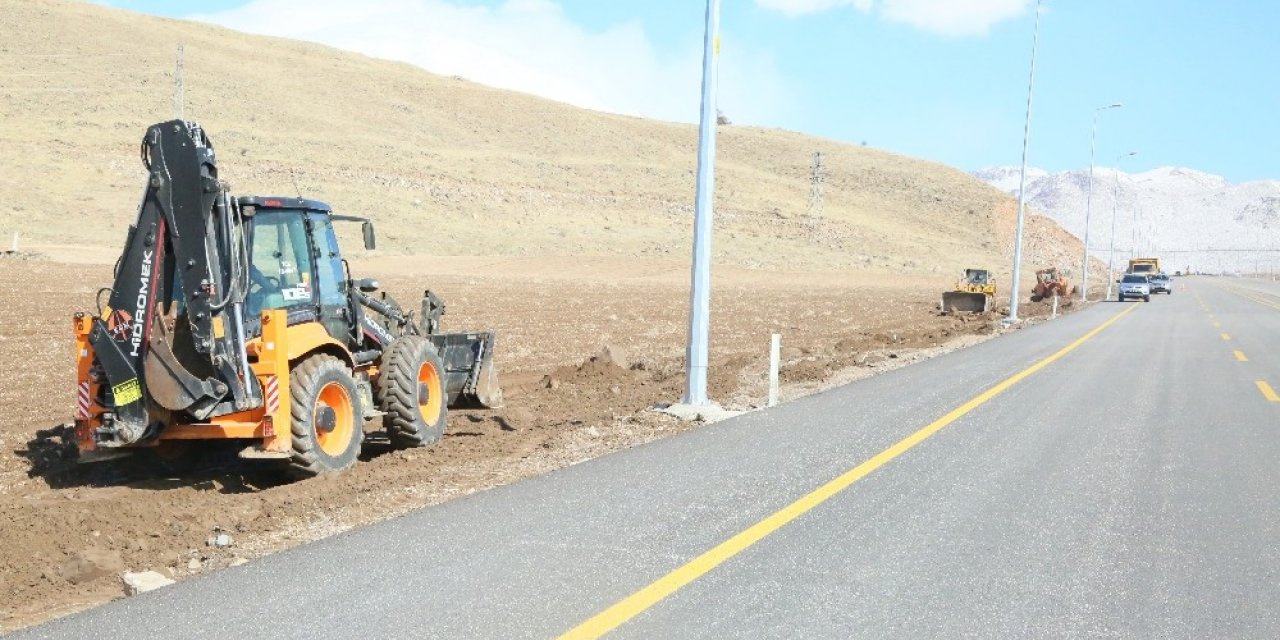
(700, 286)
(1022, 178)
(1115, 205)
(1134, 231)
(1088, 207)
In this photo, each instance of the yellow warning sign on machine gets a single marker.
(127, 392)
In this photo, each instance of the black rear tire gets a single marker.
(326, 419)
(411, 392)
(1119, 298)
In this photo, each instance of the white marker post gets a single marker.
(775, 355)
(1055, 306)
(14, 247)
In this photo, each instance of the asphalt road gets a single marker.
(1128, 487)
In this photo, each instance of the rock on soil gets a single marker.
(90, 564)
(142, 582)
(221, 540)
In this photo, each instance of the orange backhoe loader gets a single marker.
(235, 318)
(1050, 282)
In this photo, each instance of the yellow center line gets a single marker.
(1226, 336)
(640, 601)
(1267, 391)
(1217, 325)
(1241, 357)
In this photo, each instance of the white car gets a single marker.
(1135, 285)
(1161, 283)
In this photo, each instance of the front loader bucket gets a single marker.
(471, 380)
(965, 302)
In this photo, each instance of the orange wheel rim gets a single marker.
(334, 441)
(429, 386)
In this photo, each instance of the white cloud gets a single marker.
(533, 47)
(946, 17)
(952, 17)
(793, 8)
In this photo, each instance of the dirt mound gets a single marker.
(609, 365)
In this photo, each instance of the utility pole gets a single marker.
(1115, 206)
(1022, 178)
(1088, 206)
(700, 289)
(1133, 242)
(814, 213)
(179, 110)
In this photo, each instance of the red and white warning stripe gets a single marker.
(273, 395)
(83, 401)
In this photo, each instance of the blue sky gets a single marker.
(938, 79)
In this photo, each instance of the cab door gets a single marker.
(331, 280)
(281, 262)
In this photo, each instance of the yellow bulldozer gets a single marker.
(973, 294)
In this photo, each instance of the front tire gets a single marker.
(326, 419)
(1119, 297)
(1146, 298)
(411, 391)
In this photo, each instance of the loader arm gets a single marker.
(172, 335)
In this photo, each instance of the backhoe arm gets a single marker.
(185, 255)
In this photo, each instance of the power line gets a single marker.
(178, 91)
(813, 214)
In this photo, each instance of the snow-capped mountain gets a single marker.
(1188, 218)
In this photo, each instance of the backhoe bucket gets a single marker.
(471, 379)
(965, 302)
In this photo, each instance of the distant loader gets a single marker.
(1050, 282)
(973, 294)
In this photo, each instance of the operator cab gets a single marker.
(295, 263)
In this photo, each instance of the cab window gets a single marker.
(328, 261)
(280, 269)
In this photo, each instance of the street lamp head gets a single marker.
(1110, 106)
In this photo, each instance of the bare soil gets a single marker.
(70, 529)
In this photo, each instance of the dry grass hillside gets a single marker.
(447, 166)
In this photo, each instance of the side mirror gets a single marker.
(370, 241)
(367, 285)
